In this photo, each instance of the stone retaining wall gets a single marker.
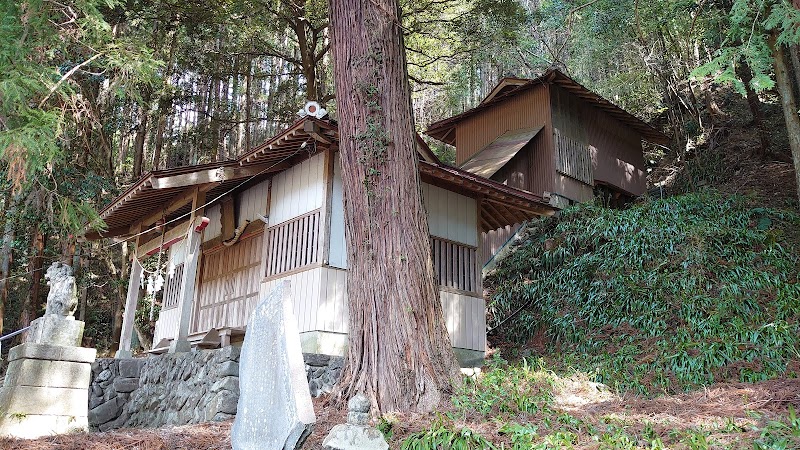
(113, 381)
(182, 388)
(322, 372)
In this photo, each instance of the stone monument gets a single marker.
(274, 410)
(46, 388)
(356, 434)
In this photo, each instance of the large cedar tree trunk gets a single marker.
(400, 354)
(784, 85)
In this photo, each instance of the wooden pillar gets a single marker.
(189, 280)
(130, 309)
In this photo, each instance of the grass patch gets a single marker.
(664, 297)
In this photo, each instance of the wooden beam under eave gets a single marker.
(123, 231)
(496, 215)
(177, 233)
(178, 202)
(217, 175)
(491, 216)
(509, 212)
(315, 131)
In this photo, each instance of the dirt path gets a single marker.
(739, 406)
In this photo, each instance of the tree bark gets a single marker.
(746, 75)
(141, 136)
(399, 351)
(784, 86)
(33, 303)
(7, 253)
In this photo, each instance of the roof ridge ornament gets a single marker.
(312, 109)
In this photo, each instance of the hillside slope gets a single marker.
(664, 296)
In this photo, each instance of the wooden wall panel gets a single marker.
(451, 216)
(332, 314)
(166, 325)
(229, 280)
(493, 241)
(614, 146)
(465, 317)
(338, 250)
(253, 202)
(533, 169)
(297, 190)
(214, 228)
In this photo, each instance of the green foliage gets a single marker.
(506, 390)
(446, 437)
(747, 42)
(386, 426)
(666, 295)
(779, 434)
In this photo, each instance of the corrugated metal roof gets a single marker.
(495, 155)
(504, 205)
(442, 130)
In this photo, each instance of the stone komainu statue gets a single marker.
(62, 298)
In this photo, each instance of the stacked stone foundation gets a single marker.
(182, 388)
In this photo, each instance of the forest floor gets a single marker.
(568, 412)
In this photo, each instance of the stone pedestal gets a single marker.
(356, 434)
(46, 389)
(52, 329)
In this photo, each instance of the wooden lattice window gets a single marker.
(573, 158)
(455, 264)
(172, 288)
(293, 244)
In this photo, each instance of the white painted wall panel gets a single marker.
(451, 216)
(338, 249)
(253, 203)
(166, 325)
(214, 228)
(465, 317)
(297, 190)
(177, 252)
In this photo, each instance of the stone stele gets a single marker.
(45, 390)
(274, 409)
(356, 434)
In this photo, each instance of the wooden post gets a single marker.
(130, 310)
(190, 264)
(327, 208)
(188, 282)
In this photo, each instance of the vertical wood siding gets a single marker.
(253, 203)
(214, 228)
(533, 168)
(494, 240)
(613, 144)
(229, 282)
(166, 325)
(172, 288)
(293, 244)
(573, 158)
(319, 297)
(456, 265)
(465, 317)
(298, 190)
(451, 216)
(338, 250)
